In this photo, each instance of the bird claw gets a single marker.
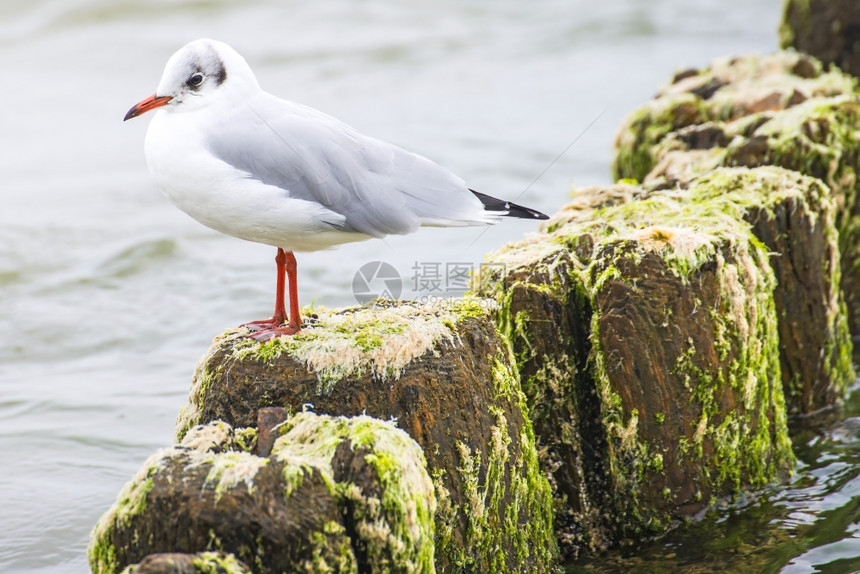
(266, 329)
(262, 324)
(267, 334)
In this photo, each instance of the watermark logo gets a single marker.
(431, 281)
(374, 280)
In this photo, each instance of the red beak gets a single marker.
(144, 106)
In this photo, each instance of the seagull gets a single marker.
(254, 166)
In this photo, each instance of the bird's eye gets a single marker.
(195, 80)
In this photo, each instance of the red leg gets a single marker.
(268, 328)
(280, 314)
(295, 317)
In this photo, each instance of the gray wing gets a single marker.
(377, 187)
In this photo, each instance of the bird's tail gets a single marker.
(506, 208)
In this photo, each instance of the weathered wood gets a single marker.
(826, 29)
(645, 333)
(809, 125)
(268, 420)
(446, 378)
(176, 563)
(744, 89)
(346, 494)
(794, 216)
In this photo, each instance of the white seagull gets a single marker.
(252, 165)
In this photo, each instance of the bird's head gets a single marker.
(198, 75)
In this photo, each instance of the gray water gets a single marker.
(109, 295)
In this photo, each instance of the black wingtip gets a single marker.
(492, 204)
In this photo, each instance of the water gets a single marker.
(108, 295)
(812, 525)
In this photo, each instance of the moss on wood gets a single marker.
(336, 495)
(729, 90)
(645, 334)
(804, 119)
(442, 372)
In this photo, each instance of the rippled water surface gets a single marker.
(812, 525)
(109, 295)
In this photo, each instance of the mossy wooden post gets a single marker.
(336, 494)
(645, 333)
(446, 378)
(827, 29)
(818, 138)
(780, 110)
(730, 89)
(179, 563)
(794, 217)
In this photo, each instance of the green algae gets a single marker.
(130, 503)
(189, 414)
(382, 339)
(228, 469)
(736, 192)
(530, 495)
(492, 522)
(500, 484)
(646, 126)
(688, 231)
(493, 508)
(819, 138)
(217, 563)
(787, 34)
(202, 446)
(399, 527)
(738, 92)
(331, 551)
(245, 439)
(395, 529)
(689, 236)
(748, 448)
(528, 491)
(813, 138)
(208, 563)
(813, 132)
